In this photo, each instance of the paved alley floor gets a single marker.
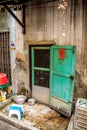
(6, 126)
(36, 117)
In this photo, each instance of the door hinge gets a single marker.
(73, 50)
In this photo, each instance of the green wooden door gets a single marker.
(62, 72)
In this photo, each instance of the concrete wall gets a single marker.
(44, 24)
(18, 69)
(19, 73)
(7, 23)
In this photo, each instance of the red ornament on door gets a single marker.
(61, 54)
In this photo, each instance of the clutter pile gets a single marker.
(5, 90)
(80, 119)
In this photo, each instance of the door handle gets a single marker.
(72, 77)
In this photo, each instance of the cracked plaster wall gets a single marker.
(19, 73)
(44, 25)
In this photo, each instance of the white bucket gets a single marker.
(31, 101)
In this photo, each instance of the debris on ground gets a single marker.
(80, 117)
(41, 116)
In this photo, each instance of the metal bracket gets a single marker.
(22, 24)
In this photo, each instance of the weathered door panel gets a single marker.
(62, 78)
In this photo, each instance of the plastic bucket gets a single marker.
(3, 79)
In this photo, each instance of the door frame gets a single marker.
(30, 64)
(50, 70)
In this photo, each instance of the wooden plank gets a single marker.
(70, 126)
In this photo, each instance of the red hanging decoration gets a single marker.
(61, 54)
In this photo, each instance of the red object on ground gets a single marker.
(3, 79)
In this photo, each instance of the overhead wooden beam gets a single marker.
(13, 2)
(23, 18)
(22, 24)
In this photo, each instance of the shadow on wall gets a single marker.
(20, 78)
(80, 89)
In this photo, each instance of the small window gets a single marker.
(41, 78)
(41, 65)
(42, 58)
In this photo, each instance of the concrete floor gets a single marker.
(6, 126)
(35, 117)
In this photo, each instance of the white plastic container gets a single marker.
(31, 101)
